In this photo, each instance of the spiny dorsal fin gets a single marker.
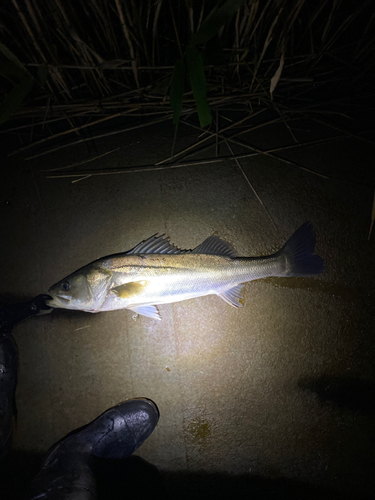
(215, 246)
(156, 244)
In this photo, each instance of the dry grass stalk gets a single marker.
(269, 49)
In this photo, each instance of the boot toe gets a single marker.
(125, 427)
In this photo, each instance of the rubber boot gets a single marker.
(8, 382)
(10, 315)
(67, 470)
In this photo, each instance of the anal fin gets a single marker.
(234, 296)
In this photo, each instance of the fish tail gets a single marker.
(298, 253)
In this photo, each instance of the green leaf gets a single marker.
(176, 92)
(43, 73)
(15, 98)
(11, 69)
(9, 55)
(198, 85)
(215, 21)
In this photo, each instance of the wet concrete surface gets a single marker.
(274, 398)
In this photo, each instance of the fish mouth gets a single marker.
(57, 300)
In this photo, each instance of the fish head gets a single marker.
(83, 290)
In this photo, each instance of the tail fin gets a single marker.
(298, 252)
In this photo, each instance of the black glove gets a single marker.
(12, 314)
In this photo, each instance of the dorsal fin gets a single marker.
(215, 246)
(156, 244)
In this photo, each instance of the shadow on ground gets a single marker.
(351, 393)
(136, 478)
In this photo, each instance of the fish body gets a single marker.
(156, 272)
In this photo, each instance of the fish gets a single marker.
(157, 272)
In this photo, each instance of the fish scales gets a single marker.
(207, 270)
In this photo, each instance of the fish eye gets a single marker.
(65, 286)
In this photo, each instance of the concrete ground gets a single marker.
(280, 390)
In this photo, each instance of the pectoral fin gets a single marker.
(234, 296)
(149, 311)
(130, 289)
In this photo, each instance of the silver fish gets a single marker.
(156, 272)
